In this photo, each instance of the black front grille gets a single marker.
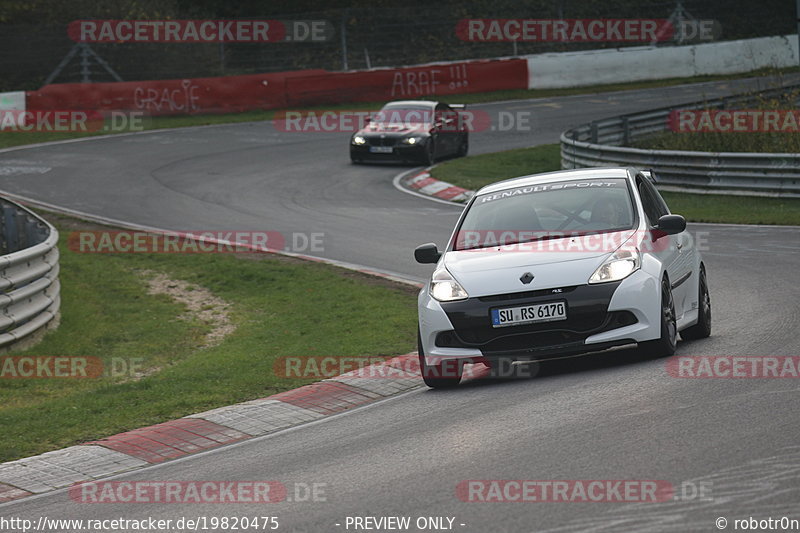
(386, 141)
(517, 341)
(587, 315)
(526, 294)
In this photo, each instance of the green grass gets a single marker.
(10, 139)
(476, 171)
(281, 307)
(734, 209)
(786, 142)
(21, 138)
(781, 143)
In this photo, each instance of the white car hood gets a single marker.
(553, 263)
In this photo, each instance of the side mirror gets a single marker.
(427, 253)
(671, 224)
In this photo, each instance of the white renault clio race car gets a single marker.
(559, 264)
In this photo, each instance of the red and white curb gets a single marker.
(194, 433)
(423, 183)
(210, 429)
(155, 444)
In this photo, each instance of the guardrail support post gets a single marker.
(10, 229)
(626, 131)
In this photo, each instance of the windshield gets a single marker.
(403, 114)
(546, 211)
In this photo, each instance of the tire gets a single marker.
(430, 153)
(463, 148)
(702, 329)
(445, 375)
(665, 345)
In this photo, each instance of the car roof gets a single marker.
(418, 103)
(560, 175)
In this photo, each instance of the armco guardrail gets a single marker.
(602, 143)
(29, 287)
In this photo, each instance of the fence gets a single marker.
(33, 44)
(602, 143)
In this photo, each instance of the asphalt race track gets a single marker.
(252, 177)
(609, 416)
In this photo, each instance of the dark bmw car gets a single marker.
(412, 130)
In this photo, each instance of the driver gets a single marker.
(608, 211)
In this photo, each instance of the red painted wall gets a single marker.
(282, 89)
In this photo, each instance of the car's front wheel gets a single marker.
(702, 329)
(444, 375)
(665, 345)
(429, 158)
(463, 148)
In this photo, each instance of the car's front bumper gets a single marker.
(400, 152)
(598, 317)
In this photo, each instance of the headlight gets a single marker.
(620, 265)
(444, 288)
(412, 140)
(358, 139)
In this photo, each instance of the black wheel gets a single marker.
(430, 153)
(702, 329)
(445, 375)
(463, 148)
(666, 344)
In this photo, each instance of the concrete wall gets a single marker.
(595, 67)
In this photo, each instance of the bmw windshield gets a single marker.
(403, 114)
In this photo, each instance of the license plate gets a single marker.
(380, 149)
(529, 314)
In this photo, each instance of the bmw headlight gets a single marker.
(412, 140)
(359, 139)
(620, 265)
(446, 289)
